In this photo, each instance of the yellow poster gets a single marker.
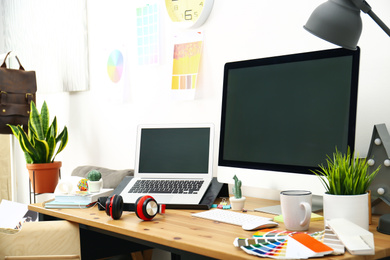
(186, 61)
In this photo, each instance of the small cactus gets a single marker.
(237, 188)
(94, 175)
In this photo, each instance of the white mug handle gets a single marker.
(307, 213)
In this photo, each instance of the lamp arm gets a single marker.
(379, 22)
(366, 8)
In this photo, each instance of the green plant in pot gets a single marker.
(41, 144)
(237, 201)
(95, 181)
(346, 182)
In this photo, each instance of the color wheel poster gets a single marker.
(186, 60)
(115, 75)
(115, 65)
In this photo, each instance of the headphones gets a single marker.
(146, 207)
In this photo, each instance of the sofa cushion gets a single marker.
(111, 178)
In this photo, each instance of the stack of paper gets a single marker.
(14, 214)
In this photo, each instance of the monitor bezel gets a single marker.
(314, 55)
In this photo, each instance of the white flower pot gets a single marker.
(95, 186)
(351, 207)
(237, 204)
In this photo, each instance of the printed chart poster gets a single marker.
(186, 60)
(148, 34)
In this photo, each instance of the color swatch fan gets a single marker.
(284, 244)
(115, 66)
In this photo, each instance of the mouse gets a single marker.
(258, 225)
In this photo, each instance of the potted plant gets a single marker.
(237, 201)
(346, 182)
(95, 181)
(40, 146)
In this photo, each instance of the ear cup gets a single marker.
(114, 206)
(146, 207)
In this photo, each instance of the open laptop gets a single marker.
(172, 154)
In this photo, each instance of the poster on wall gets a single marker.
(186, 60)
(115, 65)
(148, 34)
(115, 75)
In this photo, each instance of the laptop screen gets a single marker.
(174, 150)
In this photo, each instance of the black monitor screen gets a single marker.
(289, 112)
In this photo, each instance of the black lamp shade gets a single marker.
(336, 21)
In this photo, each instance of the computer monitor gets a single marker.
(281, 117)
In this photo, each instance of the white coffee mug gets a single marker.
(296, 209)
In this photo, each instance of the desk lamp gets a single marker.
(339, 22)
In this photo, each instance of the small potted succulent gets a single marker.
(95, 181)
(237, 201)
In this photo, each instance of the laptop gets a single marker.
(176, 160)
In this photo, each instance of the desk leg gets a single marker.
(95, 245)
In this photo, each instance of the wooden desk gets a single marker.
(178, 232)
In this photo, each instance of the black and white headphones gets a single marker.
(146, 207)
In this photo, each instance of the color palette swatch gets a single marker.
(148, 34)
(186, 60)
(115, 66)
(284, 244)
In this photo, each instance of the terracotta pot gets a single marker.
(44, 176)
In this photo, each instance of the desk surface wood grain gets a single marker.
(178, 229)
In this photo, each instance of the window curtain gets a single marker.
(51, 38)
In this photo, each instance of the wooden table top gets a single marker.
(178, 229)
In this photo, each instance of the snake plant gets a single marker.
(41, 144)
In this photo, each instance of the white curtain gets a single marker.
(51, 38)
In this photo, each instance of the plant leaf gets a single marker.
(63, 139)
(45, 118)
(35, 120)
(42, 148)
(26, 145)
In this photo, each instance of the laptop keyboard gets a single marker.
(167, 186)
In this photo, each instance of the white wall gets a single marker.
(102, 129)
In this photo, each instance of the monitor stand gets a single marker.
(276, 210)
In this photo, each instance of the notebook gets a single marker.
(172, 155)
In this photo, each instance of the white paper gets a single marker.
(11, 213)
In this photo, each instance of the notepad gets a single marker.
(314, 217)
